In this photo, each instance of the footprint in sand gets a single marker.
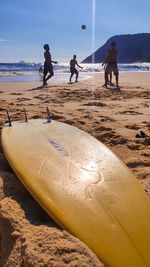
(105, 118)
(101, 129)
(147, 124)
(39, 97)
(145, 105)
(135, 164)
(130, 112)
(2, 109)
(35, 117)
(81, 109)
(15, 94)
(135, 147)
(132, 127)
(59, 112)
(57, 117)
(99, 104)
(81, 122)
(146, 154)
(112, 139)
(118, 140)
(47, 101)
(19, 104)
(23, 99)
(88, 116)
(105, 136)
(143, 141)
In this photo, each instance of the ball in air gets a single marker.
(83, 27)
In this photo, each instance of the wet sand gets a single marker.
(28, 236)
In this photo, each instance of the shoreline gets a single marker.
(112, 116)
(35, 78)
(59, 77)
(137, 78)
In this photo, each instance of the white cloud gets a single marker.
(3, 40)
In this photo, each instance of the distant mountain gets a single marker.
(131, 47)
(21, 62)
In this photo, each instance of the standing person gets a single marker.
(111, 61)
(110, 80)
(48, 67)
(110, 74)
(40, 70)
(73, 70)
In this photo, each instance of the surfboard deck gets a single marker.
(84, 187)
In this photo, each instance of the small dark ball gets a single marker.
(83, 27)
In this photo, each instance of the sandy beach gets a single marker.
(28, 236)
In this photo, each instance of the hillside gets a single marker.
(132, 48)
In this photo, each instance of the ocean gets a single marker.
(29, 72)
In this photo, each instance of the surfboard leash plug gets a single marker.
(9, 120)
(48, 115)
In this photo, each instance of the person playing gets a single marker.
(40, 70)
(111, 61)
(110, 78)
(110, 75)
(73, 70)
(48, 67)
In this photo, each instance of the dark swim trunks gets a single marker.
(73, 71)
(48, 68)
(111, 67)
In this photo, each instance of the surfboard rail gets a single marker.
(84, 187)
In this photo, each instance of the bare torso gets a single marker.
(112, 55)
(47, 57)
(73, 63)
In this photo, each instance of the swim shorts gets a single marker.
(111, 67)
(48, 68)
(73, 71)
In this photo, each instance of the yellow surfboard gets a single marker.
(84, 187)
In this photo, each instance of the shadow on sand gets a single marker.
(114, 89)
(38, 88)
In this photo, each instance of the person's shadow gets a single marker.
(38, 88)
(114, 89)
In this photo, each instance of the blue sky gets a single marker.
(25, 25)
